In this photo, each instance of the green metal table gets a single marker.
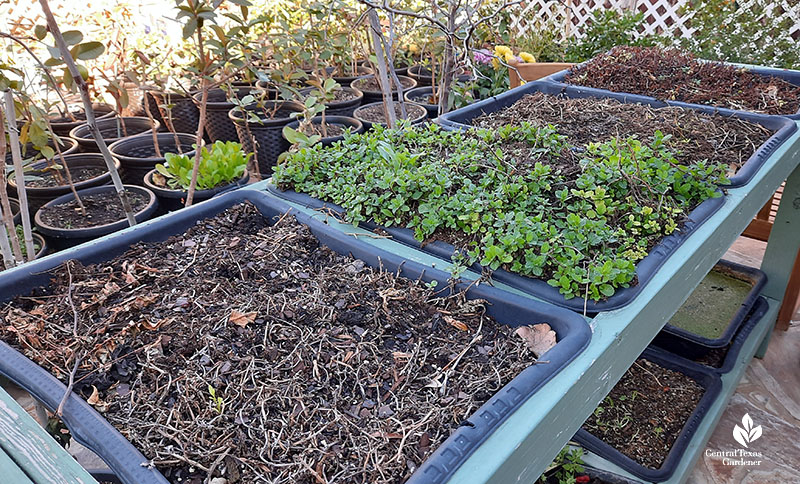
(526, 443)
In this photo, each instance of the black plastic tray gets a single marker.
(752, 320)
(783, 128)
(689, 345)
(90, 429)
(789, 75)
(645, 269)
(706, 378)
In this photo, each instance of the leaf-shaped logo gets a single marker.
(747, 433)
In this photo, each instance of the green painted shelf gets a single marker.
(523, 446)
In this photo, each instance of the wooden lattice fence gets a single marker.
(663, 17)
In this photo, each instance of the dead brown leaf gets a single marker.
(241, 319)
(455, 323)
(539, 338)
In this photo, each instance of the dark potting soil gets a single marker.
(341, 95)
(101, 209)
(671, 74)
(253, 342)
(424, 98)
(694, 135)
(376, 114)
(47, 179)
(332, 129)
(645, 412)
(371, 84)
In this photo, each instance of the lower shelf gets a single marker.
(729, 383)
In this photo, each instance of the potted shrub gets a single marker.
(345, 100)
(259, 125)
(138, 155)
(219, 126)
(177, 110)
(64, 224)
(221, 168)
(314, 124)
(112, 129)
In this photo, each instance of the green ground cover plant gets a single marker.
(518, 197)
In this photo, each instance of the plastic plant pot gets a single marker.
(170, 200)
(346, 122)
(424, 76)
(62, 125)
(59, 238)
(68, 146)
(422, 96)
(38, 196)
(372, 95)
(414, 118)
(15, 211)
(264, 137)
(361, 71)
(791, 76)
(645, 269)
(179, 109)
(341, 108)
(37, 240)
(784, 128)
(725, 357)
(91, 430)
(137, 155)
(711, 383)
(112, 130)
(742, 283)
(219, 126)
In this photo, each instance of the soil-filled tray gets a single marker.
(714, 311)
(681, 79)
(545, 102)
(722, 360)
(269, 316)
(646, 422)
(458, 188)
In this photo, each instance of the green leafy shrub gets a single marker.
(753, 34)
(518, 197)
(225, 163)
(609, 28)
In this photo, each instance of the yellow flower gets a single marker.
(508, 57)
(526, 57)
(413, 48)
(495, 63)
(502, 51)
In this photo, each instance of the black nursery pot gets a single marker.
(137, 155)
(688, 344)
(355, 126)
(340, 108)
(219, 126)
(63, 238)
(704, 377)
(421, 96)
(170, 200)
(371, 96)
(37, 240)
(111, 130)
(361, 71)
(15, 211)
(62, 125)
(266, 133)
(68, 146)
(419, 118)
(184, 114)
(38, 196)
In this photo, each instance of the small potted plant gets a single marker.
(315, 125)
(221, 168)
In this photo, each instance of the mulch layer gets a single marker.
(371, 83)
(694, 135)
(252, 353)
(101, 209)
(674, 75)
(53, 178)
(645, 412)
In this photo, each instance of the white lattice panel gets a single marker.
(661, 16)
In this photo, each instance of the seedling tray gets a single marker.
(690, 345)
(90, 429)
(783, 127)
(706, 378)
(752, 320)
(789, 75)
(645, 269)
